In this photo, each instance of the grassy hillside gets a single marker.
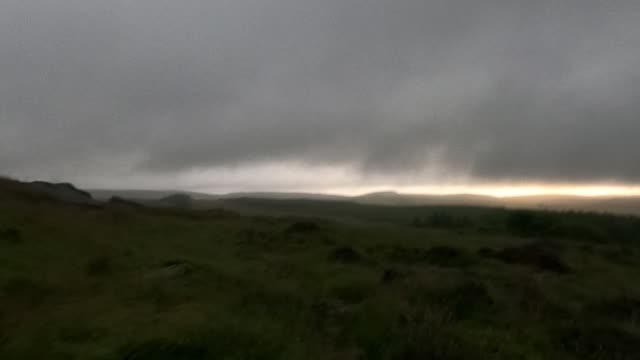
(118, 281)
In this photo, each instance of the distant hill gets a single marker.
(283, 196)
(394, 198)
(104, 194)
(41, 190)
(614, 205)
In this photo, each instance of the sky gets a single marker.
(503, 97)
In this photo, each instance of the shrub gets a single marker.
(390, 275)
(11, 235)
(100, 265)
(303, 227)
(345, 254)
(600, 342)
(352, 293)
(529, 223)
(466, 300)
(444, 256)
(162, 349)
(224, 342)
(78, 333)
(422, 335)
(535, 255)
(25, 291)
(442, 220)
(622, 308)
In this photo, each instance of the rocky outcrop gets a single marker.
(61, 191)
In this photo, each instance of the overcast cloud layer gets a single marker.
(241, 94)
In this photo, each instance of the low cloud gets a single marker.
(383, 92)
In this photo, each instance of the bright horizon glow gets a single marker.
(289, 177)
(501, 191)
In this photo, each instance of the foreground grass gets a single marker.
(121, 282)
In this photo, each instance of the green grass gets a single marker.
(373, 282)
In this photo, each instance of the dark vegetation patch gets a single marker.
(255, 242)
(163, 349)
(466, 300)
(329, 315)
(619, 254)
(99, 266)
(11, 235)
(444, 256)
(303, 227)
(573, 225)
(78, 333)
(598, 342)
(262, 299)
(211, 344)
(457, 300)
(620, 308)
(529, 298)
(425, 333)
(530, 223)
(443, 220)
(537, 255)
(391, 275)
(25, 292)
(353, 293)
(175, 268)
(346, 255)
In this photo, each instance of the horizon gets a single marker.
(494, 192)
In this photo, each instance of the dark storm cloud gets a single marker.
(490, 89)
